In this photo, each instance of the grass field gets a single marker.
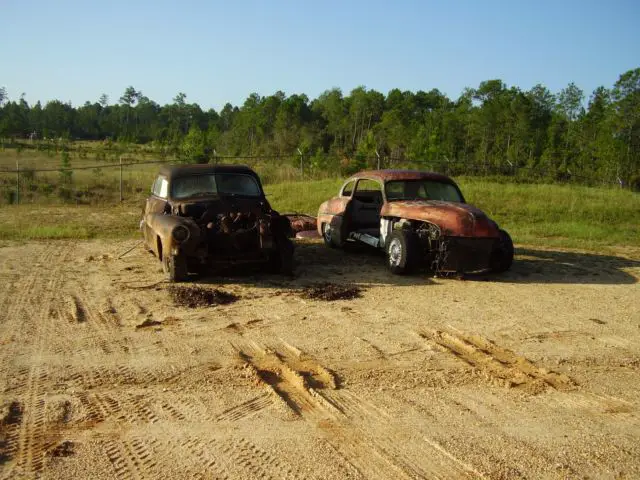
(96, 174)
(551, 215)
(554, 215)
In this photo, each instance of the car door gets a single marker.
(156, 204)
(365, 205)
(341, 207)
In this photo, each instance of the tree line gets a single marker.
(493, 124)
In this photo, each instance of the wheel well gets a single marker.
(159, 245)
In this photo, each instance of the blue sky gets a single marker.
(221, 51)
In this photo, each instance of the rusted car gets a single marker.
(418, 219)
(203, 216)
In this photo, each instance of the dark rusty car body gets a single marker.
(423, 214)
(201, 216)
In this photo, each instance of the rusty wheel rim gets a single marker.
(326, 232)
(395, 252)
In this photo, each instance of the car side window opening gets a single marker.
(422, 190)
(368, 191)
(394, 190)
(442, 191)
(347, 190)
(155, 188)
(215, 184)
(190, 185)
(164, 188)
(237, 185)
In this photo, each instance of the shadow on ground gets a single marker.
(549, 266)
(366, 266)
(316, 263)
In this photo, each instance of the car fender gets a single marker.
(163, 226)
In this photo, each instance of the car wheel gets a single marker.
(502, 255)
(327, 235)
(402, 252)
(175, 267)
(281, 259)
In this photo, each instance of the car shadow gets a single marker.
(365, 266)
(550, 266)
(316, 263)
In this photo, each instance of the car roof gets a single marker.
(173, 171)
(386, 175)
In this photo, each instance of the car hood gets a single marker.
(219, 204)
(453, 218)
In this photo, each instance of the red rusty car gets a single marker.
(417, 218)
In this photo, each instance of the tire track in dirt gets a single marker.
(9, 431)
(498, 364)
(134, 459)
(233, 454)
(102, 334)
(246, 409)
(423, 458)
(210, 464)
(19, 300)
(130, 408)
(147, 408)
(32, 312)
(350, 425)
(257, 462)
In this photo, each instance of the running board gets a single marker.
(363, 237)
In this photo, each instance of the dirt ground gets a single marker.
(530, 374)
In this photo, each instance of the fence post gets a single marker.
(301, 164)
(17, 182)
(378, 155)
(120, 178)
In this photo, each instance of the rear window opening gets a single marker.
(215, 184)
(422, 190)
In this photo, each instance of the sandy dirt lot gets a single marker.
(531, 374)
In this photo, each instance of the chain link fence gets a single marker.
(82, 181)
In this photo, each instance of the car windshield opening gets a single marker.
(422, 190)
(215, 184)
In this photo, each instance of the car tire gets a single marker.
(327, 236)
(402, 252)
(175, 267)
(502, 255)
(281, 259)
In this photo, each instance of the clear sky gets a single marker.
(221, 51)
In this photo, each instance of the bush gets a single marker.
(66, 175)
(65, 193)
(9, 196)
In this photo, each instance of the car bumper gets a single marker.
(463, 254)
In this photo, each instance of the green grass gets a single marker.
(559, 215)
(101, 183)
(549, 215)
(301, 197)
(553, 215)
(44, 222)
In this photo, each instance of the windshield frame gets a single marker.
(423, 180)
(217, 193)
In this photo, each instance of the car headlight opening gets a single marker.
(180, 233)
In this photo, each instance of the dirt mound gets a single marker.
(330, 291)
(149, 322)
(193, 297)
